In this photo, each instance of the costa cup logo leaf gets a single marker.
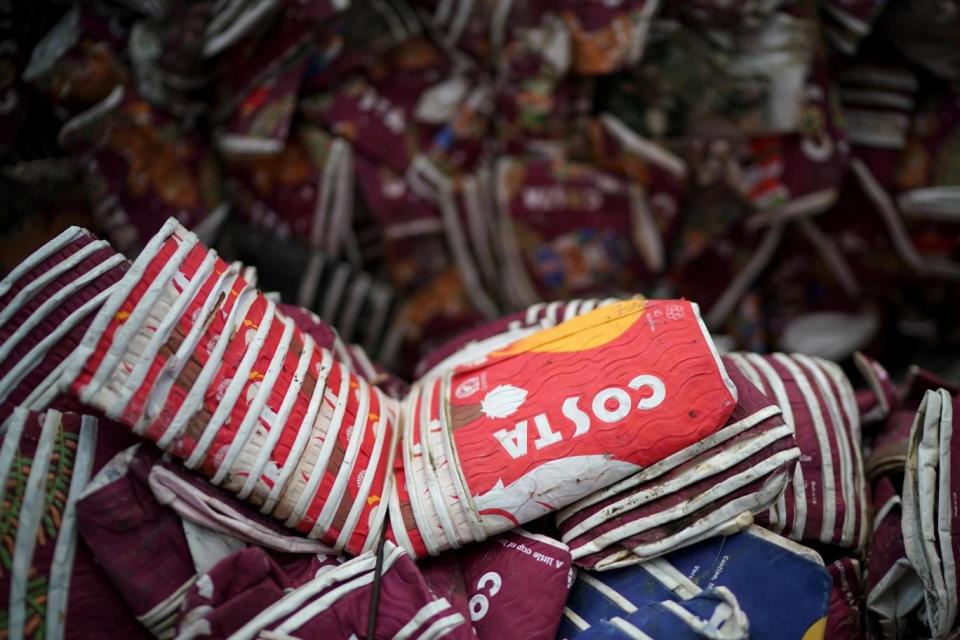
(502, 401)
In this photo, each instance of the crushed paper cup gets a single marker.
(231, 592)
(541, 315)
(879, 383)
(75, 64)
(261, 123)
(787, 597)
(889, 449)
(569, 230)
(844, 619)
(375, 111)
(490, 453)
(302, 192)
(607, 38)
(142, 546)
(51, 584)
(928, 516)
(493, 413)
(196, 500)
(335, 604)
(226, 360)
(755, 74)
(893, 589)
(46, 304)
(742, 468)
(426, 178)
(846, 23)
(826, 500)
(141, 168)
(501, 573)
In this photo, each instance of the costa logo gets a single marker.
(610, 405)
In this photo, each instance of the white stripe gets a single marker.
(324, 602)
(12, 428)
(141, 311)
(163, 615)
(588, 305)
(63, 239)
(717, 463)
(255, 408)
(885, 510)
(43, 311)
(629, 629)
(380, 298)
(672, 461)
(425, 613)
(323, 457)
(47, 277)
(523, 292)
(380, 511)
(304, 430)
(874, 97)
(775, 383)
(194, 399)
(571, 310)
(414, 491)
(440, 628)
(283, 414)
(727, 486)
(237, 383)
(533, 313)
(799, 504)
(459, 503)
(370, 473)
(61, 567)
(172, 367)
(945, 503)
(847, 470)
(355, 302)
(607, 592)
(29, 522)
(551, 316)
(745, 277)
(434, 492)
(473, 284)
(891, 218)
(294, 600)
(307, 292)
(826, 458)
(574, 619)
(162, 333)
(647, 150)
(668, 575)
(331, 301)
(396, 523)
(37, 353)
(849, 403)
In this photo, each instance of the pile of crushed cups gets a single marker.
(411, 169)
(525, 319)
(185, 456)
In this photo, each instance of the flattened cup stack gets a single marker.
(493, 442)
(190, 356)
(930, 521)
(826, 500)
(712, 486)
(46, 305)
